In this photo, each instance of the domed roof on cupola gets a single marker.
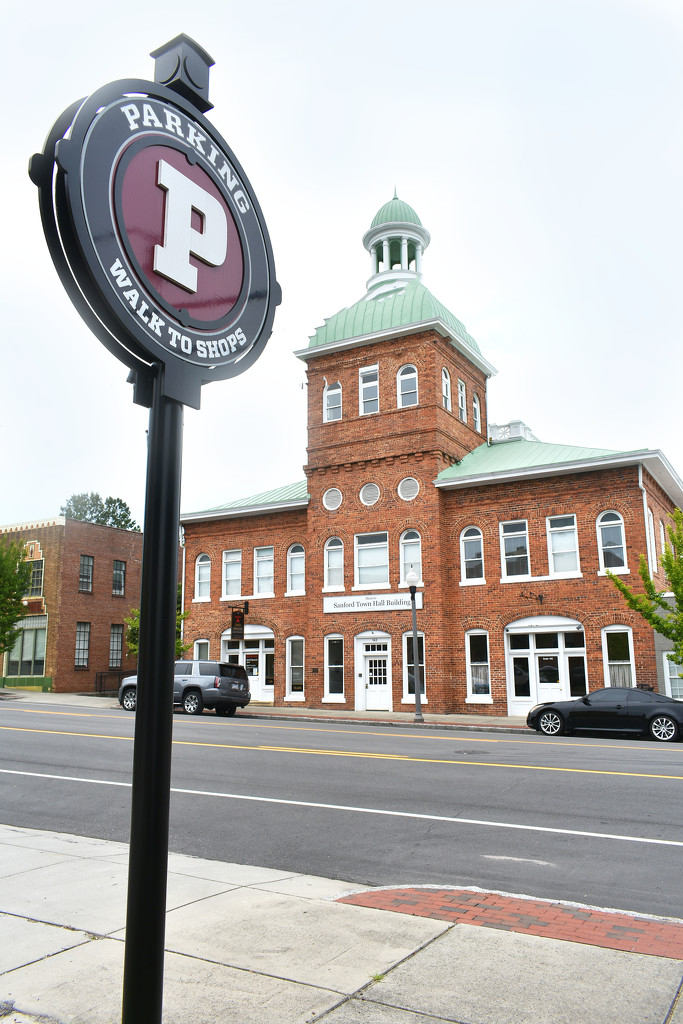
(395, 210)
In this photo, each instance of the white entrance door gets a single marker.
(376, 674)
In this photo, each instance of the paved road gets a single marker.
(588, 819)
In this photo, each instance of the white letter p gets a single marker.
(210, 245)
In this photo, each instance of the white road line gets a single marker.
(364, 810)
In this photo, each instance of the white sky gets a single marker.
(540, 142)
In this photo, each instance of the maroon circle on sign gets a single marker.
(142, 210)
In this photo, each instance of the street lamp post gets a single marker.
(412, 581)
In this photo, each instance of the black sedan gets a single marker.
(613, 709)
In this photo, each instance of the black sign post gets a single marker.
(161, 245)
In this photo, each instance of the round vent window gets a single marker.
(408, 488)
(332, 499)
(369, 494)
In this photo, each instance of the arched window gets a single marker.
(471, 556)
(332, 402)
(406, 387)
(611, 546)
(296, 570)
(476, 413)
(334, 564)
(446, 389)
(411, 554)
(202, 578)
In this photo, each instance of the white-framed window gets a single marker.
(409, 666)
(563, 545)
(408, 489)
(514, 546)
(332, 499)
(82, 645)
(406, 386)
(296, 570)
(334, 668)
(411, 554)
(201, 650)
(368, 390)
(478, 668)
(232, 573)
(264, 574)
(611, 544)
(202, 578)
(462, 401)
(476, 413)
(295, 667)
(673, 677)
(369, 494)
(662, 538)
(651, 543)
(471, 555)
(371, 560)
(617, 656)
(334, 564)
(446, 389)
(332, 402)
(115, 646)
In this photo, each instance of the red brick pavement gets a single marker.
(613, 930)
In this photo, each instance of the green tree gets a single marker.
(90, 508)
(655, 608)
(15, 580)
(133, 630)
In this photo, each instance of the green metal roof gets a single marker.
(395, 210)
(289, 494)
(409, 303)
(520, 455)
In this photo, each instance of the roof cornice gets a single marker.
(436, 324)
(655, 462)
(243, 510)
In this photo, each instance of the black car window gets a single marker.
(208, 668)
(232, 671)
(641, 697)
(610, 695)
(183, 668)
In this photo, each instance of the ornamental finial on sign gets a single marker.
(183, 65)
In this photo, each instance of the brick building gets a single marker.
(510, 537)
(85, 581)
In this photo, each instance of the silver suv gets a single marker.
(198, 685)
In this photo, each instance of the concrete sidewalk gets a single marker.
(254, 946)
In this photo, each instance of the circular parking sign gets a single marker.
(163, 234)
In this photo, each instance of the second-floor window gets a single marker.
(334, 563)
(232, 573)
(85, 574)
(514, 542)
(471, 555)
(36, 585)
(476, 413)
(372, 559)
(611, 547)
(446, 389)
(296, 566)
(563, 545)
(368, 390)
(264, 573)
(202, 578)
(411, 554)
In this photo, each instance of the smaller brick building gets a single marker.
(86, 579)
(511, 538)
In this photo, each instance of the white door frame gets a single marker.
(369, 636)
(539, 692)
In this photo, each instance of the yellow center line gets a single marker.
(369, 755)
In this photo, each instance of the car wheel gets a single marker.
(663, 728)
(231, 710)
(551, 723)
(193, 703)
(221, 710)
(129, 698)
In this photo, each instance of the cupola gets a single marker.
(396, 241)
